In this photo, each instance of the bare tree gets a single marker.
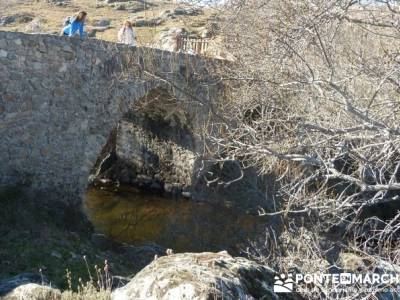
(315, 97)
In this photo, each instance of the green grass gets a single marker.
(33, 236)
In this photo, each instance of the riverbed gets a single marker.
(134, 217)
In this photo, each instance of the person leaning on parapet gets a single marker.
(126, 35)
(75, 25)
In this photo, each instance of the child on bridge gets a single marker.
(126, 35)
(75, 25)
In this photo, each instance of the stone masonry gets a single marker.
(60, 98)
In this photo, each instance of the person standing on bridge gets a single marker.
(126, 35)
(76, 25)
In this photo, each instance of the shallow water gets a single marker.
(180, 224)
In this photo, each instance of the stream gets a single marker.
(127, 215)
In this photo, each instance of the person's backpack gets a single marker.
(67, 21)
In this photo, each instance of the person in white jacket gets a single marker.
(126, 35)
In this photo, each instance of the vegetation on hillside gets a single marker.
(50, 17)
(40, 235)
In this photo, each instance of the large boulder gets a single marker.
(132, 6)
(16, 18)
(161, 155)
(188, 11)
(59, 2)
(168, 40)
(201, 276)
(8, 284)
(36, 26)
(181, 11)
(157, 21)
(33, 291)
(101, 23)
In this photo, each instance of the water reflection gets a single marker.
(182, 225)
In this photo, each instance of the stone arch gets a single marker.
(155, 144)
(60, 99)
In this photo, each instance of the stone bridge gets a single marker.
(60, 98)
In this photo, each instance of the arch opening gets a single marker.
(142, 184)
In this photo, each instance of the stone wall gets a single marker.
(60, 98)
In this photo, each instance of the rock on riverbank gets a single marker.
(200, 276)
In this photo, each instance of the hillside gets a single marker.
(150, 17)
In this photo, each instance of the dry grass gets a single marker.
(98, 287)
(88, 293)
(53, 16)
